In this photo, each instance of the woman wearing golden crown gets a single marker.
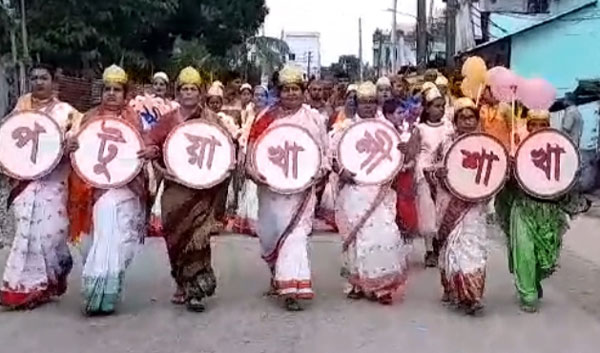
(285, 221)
(374, 252)
(534, 229)
(189, 216)
(39, 261)
(108, 224)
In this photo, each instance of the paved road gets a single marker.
(240, 320)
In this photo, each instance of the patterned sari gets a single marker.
(39, 261)
(463, 259)
(189, 217)
(374, 252)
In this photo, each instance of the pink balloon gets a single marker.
(536, 93)
(503, 83)
(494, 72)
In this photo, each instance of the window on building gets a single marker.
(537, 6)
(292, 57)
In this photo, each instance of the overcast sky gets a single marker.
(337, 21)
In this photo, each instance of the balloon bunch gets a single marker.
(505, 85)
(474, 71)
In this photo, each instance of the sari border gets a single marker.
(272, 256)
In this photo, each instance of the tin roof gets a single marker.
(535, 25)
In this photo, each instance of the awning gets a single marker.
(587, 91)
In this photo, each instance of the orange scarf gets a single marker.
(81, 195)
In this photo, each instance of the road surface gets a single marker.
(240, 320)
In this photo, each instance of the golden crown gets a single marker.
(462, 103)
(538, 114)
(114, 74)
(366, 90)
(189, 76)
(290, 75)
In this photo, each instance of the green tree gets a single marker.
(90, 34)
(78, 33)
(268, 53)
(347, 67)
(220, 25)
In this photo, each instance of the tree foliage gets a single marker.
(138, 33)
(347, 67)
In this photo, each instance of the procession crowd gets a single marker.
(377, 223)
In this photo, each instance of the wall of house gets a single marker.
(563, 51)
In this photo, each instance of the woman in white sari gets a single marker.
(375, 254)
(39, 261)
(244, 220)
(462, 229)
(285, 221)
(112, 222)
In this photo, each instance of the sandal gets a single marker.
(530, 309)
(292, 304)
(430, 259)
(355, 294)
(473, 309)
(385, 300)
(178, 297)
(195, 305)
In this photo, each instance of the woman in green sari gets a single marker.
(535, 229)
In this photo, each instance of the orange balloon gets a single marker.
(471, 89)
(475, 69)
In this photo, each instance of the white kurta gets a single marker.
(432, 139)
(40, 261)
(291, 265)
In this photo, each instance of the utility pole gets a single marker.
(380, 54)
(24, 31)
(360, 49)
(25, 59)
(421, 34)
(451, 8)
(309, 62)
(485, 26)
(394, 37)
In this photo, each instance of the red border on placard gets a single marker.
(557, 194)
(261, 137)
(494, 191)
(51, 168)
(105, 186)
(394, 171)
(192, 122)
